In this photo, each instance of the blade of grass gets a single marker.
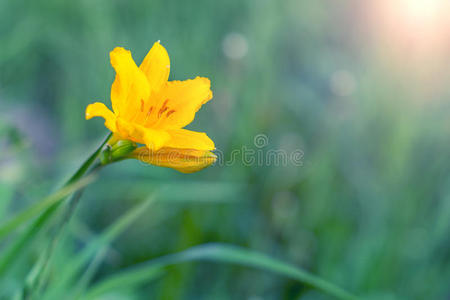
(26, 215)
(129, 281)
(91, 269)
(145, 272)
(70, 270)
(52, 200)
(8, 256)
(33, 279)
(88, 162)
(37, 276)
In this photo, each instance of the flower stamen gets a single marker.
(149, 111)
(163, 108)
(169, 113)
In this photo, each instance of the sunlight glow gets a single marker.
(412, 37)
(421, 10)
(425, 20)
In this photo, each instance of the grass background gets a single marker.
(368, 209)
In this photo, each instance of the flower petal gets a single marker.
(182, 99)
(156, 66)
(99, 109)
(130, 85)
(153, 139)
(183, 160)
(187, 139)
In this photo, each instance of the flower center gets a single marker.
(164, 112)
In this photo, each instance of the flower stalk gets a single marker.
(149, 110)
(36, 278)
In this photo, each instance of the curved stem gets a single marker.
(62, 224)
(35, 277)
(88, 162)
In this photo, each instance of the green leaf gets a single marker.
(35, 277)
(145, 272)
(13, 250)
(98, 245)
(47, 206)
(127, 281)
(26, 215)
(88, 162)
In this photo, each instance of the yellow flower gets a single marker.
(150, 110)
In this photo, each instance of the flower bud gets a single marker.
(105, 155)
(182, 160)
(118, 150)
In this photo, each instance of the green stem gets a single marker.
(35, 278)
(88, 162)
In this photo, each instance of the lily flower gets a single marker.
(149, 110)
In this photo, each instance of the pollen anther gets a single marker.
(163, 108)
(150, 111)
(170, 112)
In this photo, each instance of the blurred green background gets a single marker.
(361, 88)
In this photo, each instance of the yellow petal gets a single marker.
(130, 86)
(156, 66)
(182, 99)
(98, 109)
(153, 139)
(187, 139)
(183, 160)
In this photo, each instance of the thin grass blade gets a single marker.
(65, 280)
(29, 213)
(145, 272)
